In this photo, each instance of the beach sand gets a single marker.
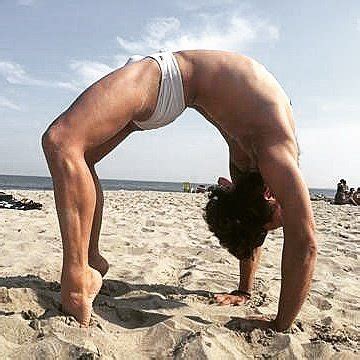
(156, 301)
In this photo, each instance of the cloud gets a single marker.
(15, 74)
(87, 72)
(219, 30)
(358, 24)
(230, 32)
(223, 31)
(63, 85)
(7, 104)
(83, 74)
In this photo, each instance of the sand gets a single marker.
(156, 301)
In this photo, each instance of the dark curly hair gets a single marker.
(237, 216)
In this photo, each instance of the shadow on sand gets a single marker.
(128, 305)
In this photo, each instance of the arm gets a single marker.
(247, 267)
(278, 166)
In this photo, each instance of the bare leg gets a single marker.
(75, 193)
(96, 260)
(92, 120)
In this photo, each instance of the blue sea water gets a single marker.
(8, 182)
(329, 193)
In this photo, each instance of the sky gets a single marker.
(50, 51)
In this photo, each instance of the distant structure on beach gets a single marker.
(200, 188)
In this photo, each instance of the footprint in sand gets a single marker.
(132, 319)
(146, 229)
(320, 302)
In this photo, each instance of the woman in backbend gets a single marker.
(250, 109)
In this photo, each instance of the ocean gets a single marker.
(12, 182)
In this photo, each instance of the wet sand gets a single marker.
(156, 301)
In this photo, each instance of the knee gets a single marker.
(55, 139)
(50, 141)
(60, 150)
(61, 158)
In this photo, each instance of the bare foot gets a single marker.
(78, 291)
(99, 263)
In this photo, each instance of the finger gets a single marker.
(230, 299)
(219, 297)
(227, 301)
(222, 300)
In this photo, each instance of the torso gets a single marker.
(240, 97)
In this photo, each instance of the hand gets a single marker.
(234, 298)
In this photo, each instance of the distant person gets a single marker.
(254, 115)
(350, 197)
(343, 182)
(356, 196)
(340, 196)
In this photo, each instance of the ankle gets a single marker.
(75, 265)
(75, 274)
(94, 254)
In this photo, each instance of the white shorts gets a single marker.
(170, 102)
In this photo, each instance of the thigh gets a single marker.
(94, 155)
(106, 107)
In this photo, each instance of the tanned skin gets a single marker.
(239, 97)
